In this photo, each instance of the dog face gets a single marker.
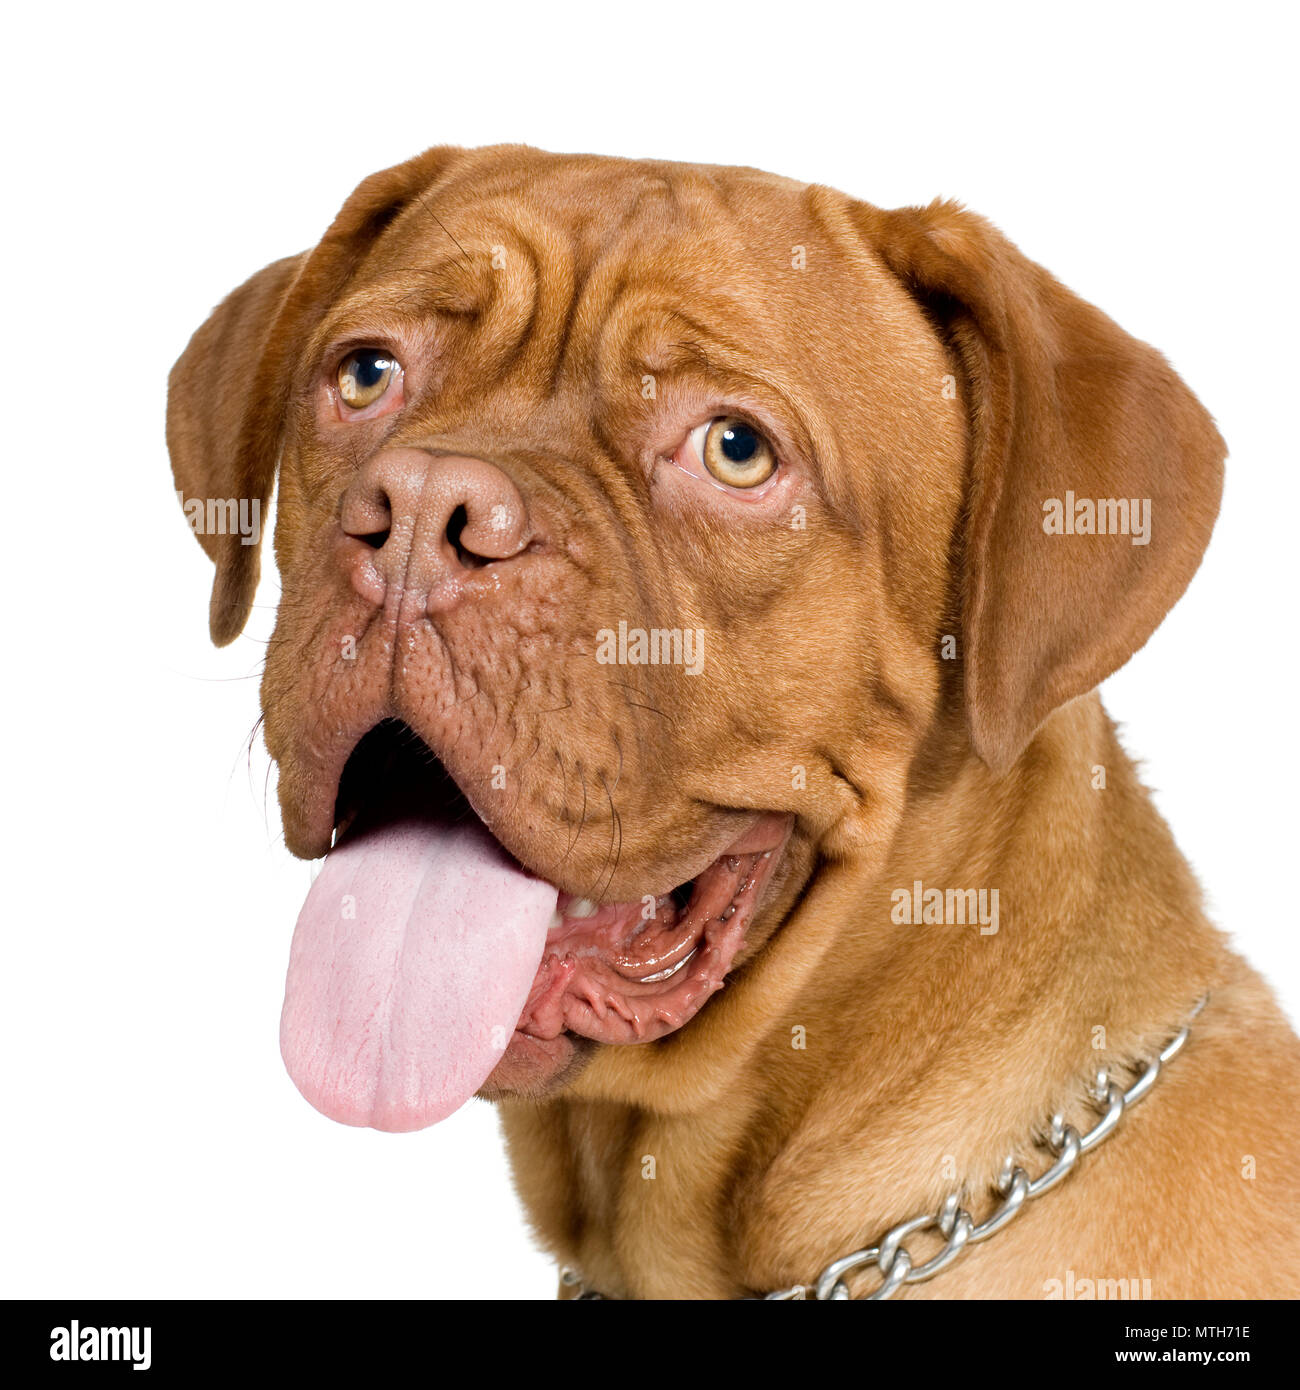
(646, 530)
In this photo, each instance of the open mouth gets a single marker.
(427, 961)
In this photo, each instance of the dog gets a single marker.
(695, 589)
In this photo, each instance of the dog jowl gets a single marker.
(626, 514)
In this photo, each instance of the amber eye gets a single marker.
(735, 453)
(364, 376)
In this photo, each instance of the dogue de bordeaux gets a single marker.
(695, 589)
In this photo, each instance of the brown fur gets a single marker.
(932, 387)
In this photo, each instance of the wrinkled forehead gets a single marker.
(588, 213)
(605, 259)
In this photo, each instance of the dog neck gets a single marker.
(872, 1012)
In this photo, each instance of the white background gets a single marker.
(150, 1141)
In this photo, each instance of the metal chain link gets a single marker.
(1014, 1187)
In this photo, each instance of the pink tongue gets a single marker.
(411, 962)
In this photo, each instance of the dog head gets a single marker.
(638, 523)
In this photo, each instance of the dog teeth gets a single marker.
(582, 907)
(665, 974)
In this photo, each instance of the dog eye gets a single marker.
(364, 376)
(734, 452)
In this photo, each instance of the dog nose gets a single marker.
(430, 519)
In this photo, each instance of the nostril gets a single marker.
(456, 524)
(368, 517)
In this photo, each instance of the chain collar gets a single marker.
(1014, 1187)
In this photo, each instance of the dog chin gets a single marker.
(535, 1068)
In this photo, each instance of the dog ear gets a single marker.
(229, 392)
(210, 393)
(1060, 400)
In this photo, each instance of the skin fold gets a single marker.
(899, 671)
